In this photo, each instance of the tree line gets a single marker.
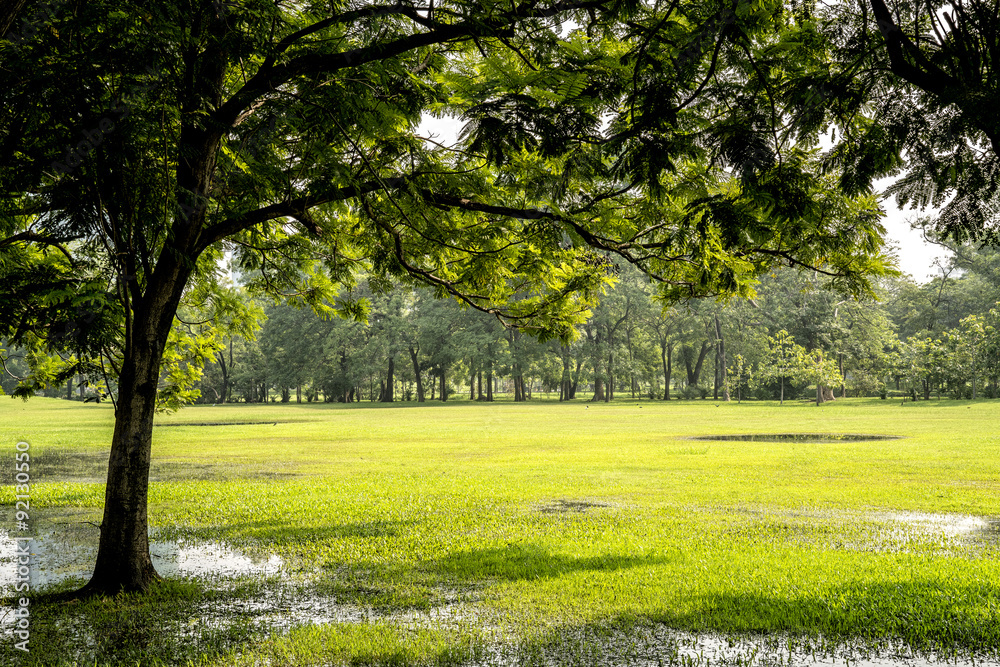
(795, 339)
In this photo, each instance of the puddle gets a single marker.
(948, 527)
(655, 645)
(68, 552)
(798, 437)
(562, 505)
(878, 531)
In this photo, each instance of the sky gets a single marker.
(916, 256)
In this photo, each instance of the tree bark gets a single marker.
(666, 356)
(387, 391)
(564, 384)
(123, 560)
(416, 374)
(224, 369)
(843, 376)
(609, 391)
(722, 369)
(694, 374)
(598, 390)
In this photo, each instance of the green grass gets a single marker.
(543, 523)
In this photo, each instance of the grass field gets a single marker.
(539, 533)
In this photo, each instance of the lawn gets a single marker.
(538, 533)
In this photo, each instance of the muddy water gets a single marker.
(67, 547)
(798, 437)
(656, 645)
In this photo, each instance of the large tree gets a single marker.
(142, 142)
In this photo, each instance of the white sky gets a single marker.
(916, 256)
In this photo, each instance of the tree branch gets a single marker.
(294, 208)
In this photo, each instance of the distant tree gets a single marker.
(783, 359)
(741, 374)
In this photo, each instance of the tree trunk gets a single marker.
(123, 561)
(576, 379)
(843, 377)
(631, 359)
(416, 374)
(444, 386)
(224, 368)
(565, 380)
(298, 393)
(388, 395)
(489, 382)
(666, 356)
(598, 390)
(716, 379)
(609, 390)
(722, 370)
(694, 372)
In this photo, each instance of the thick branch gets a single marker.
(907, 60)
(34, 237)
(294, 208)
(271, 76)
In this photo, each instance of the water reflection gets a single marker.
(69, 552)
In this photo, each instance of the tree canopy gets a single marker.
(144, 144)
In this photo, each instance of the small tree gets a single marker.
(741, 372)
(814, 369)
(783, 359)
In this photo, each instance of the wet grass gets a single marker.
(541, 533)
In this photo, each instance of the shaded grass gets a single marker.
(549, 520)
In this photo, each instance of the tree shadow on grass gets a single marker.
(287, 532)
(515, 562)
(91, 466)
